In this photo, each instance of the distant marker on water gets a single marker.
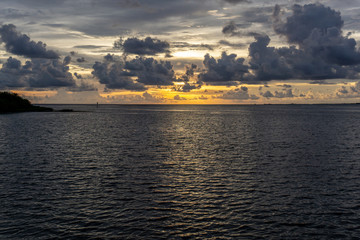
(97, 104)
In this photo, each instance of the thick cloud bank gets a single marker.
(227, 69)
(147, 46)
(134, 74)
(37, 73)
(320, 50)
(20, 44)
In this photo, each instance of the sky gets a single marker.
(181, 52)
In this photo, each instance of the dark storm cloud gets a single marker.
(269, 63)
(304, 20)
(230, 29)
(317, 30)
(20, 44)
(134, 74)
(148, 46)
(227, 69)
(37, 73)
(113, 75)
(322, 52)
(151, 72)
(189, 72)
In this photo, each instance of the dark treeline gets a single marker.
(12, 102)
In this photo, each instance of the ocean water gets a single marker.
(181, 172)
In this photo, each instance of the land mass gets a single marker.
(12, 102)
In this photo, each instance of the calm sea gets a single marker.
(181, 172)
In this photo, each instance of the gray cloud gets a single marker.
(285, 86)
(147, 46)
(227, 43)
(67, 60)
(178, 98)
(304, 20)
(322, 51)
(192, 46)
(113, 75)
(230, 29)
(237, 1)
(351, 92)
(121, 74)
(151, 72)
(239, 94)
(189, 72)
(37, 73)
(89, 46)
(78, 76)
(287, 93)
(317, 30)
(226, 70)
(20, 44)
(80, 60)
(83, 87)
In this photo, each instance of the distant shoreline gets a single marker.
(13, 103)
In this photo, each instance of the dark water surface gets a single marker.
(181, 172)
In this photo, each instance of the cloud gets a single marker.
(317, 30)
(148, 46)
(229, 44)
(78, 76)
(285, 86)
(20, 44)
(113, 75)
(150, 98)
(191, 46)
(239, 94)
(135, 99)
(287, 93)
(83, 87)
(151, 72)
(304, 20)
(189, 72)
(134, 74)
(322, 52)
(231, 29)
(89, 46)
(226, 70)
(178, 98)
(351, 92)
(80, 60)
(37, 73)
(237, 1)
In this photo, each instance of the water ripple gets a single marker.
(181, 172)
